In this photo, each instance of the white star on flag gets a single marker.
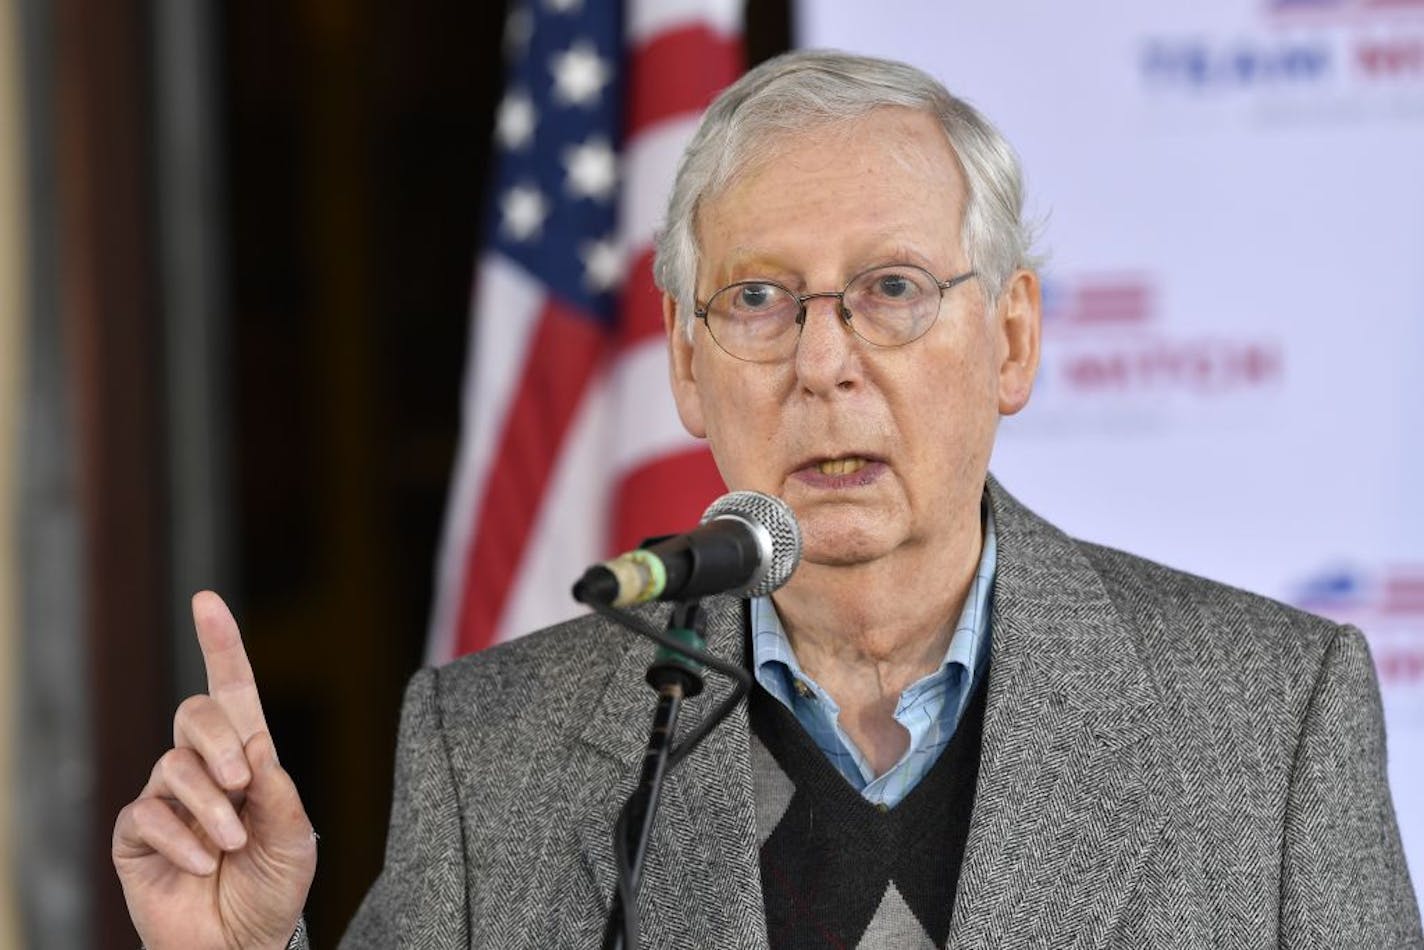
(514, 125)
(524, 208)
(602, 264)
(592, 169)
(579, 75)
(563, 6)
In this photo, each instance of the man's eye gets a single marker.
(895, 287)
(754, 296)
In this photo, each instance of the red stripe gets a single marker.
(678, 73)
(640, 310)
(562, 359)
(665, 495)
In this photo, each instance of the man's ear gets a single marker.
(680, 371)
(1019, 325)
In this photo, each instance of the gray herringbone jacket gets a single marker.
(1167, 762)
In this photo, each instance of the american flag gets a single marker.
(570, 448)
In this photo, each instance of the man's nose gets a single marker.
(808, 299)
(825, 351)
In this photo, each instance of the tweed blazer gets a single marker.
(1167, 762)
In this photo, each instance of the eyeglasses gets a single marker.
(760, 321)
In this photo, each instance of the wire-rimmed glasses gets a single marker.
(759, 321)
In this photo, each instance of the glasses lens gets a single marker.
(753, 321)
(893, 305)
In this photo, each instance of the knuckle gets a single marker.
(218, 812)
(126, 820)
(137, 819)
(147, 811)
(176, 765)
(191, 712)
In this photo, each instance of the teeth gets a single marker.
(840, 466)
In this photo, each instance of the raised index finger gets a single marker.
(230, 679)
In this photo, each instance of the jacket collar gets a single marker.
(1074, 779)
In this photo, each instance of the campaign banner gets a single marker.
(1233, 204)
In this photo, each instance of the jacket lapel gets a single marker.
(702, 879)
(1075, 778)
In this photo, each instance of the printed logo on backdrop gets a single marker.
(1300, 61)
(1111, 364)
(1387, 603)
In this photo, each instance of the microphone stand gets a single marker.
(675, 676)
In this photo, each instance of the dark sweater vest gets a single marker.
(840, 872)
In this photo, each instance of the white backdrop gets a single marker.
(1234, 332)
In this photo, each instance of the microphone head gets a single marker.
(777, 533)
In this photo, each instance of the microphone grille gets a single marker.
(773, 516)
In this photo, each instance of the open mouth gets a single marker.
(845, 471)
(842, 466)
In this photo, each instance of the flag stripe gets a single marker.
(650, 160)
(642, 304)
(497, 349)
(643, 417)
(643, 507)
(565, 351)
(646, 18)
(570, 529)
(660, 85)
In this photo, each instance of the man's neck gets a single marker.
(866, 632)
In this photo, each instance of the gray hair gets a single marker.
(806, 89)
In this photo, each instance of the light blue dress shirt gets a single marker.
(929, 708)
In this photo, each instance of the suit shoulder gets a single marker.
(1237, 671)
(1135, 582)
(1203, 621)
(533, 671)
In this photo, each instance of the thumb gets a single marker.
(274, 812)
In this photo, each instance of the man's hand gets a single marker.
(216, 851)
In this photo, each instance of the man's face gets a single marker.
(875, 449)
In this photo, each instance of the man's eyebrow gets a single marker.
(756, 261)
(894, 250)
(746, 254)
(748, 261)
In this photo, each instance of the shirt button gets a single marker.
(883, 807)
(802, 689)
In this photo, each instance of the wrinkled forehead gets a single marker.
(890, 172)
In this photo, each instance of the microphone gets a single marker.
(748, 543)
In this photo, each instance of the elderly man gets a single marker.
(968, 730)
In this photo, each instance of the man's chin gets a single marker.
(839, 559)
(844, 545)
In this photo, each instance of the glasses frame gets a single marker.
(699, 311)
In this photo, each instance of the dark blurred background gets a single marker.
(250, 232)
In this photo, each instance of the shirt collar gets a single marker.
(774, 661)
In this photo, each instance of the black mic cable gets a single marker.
(749, 544)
